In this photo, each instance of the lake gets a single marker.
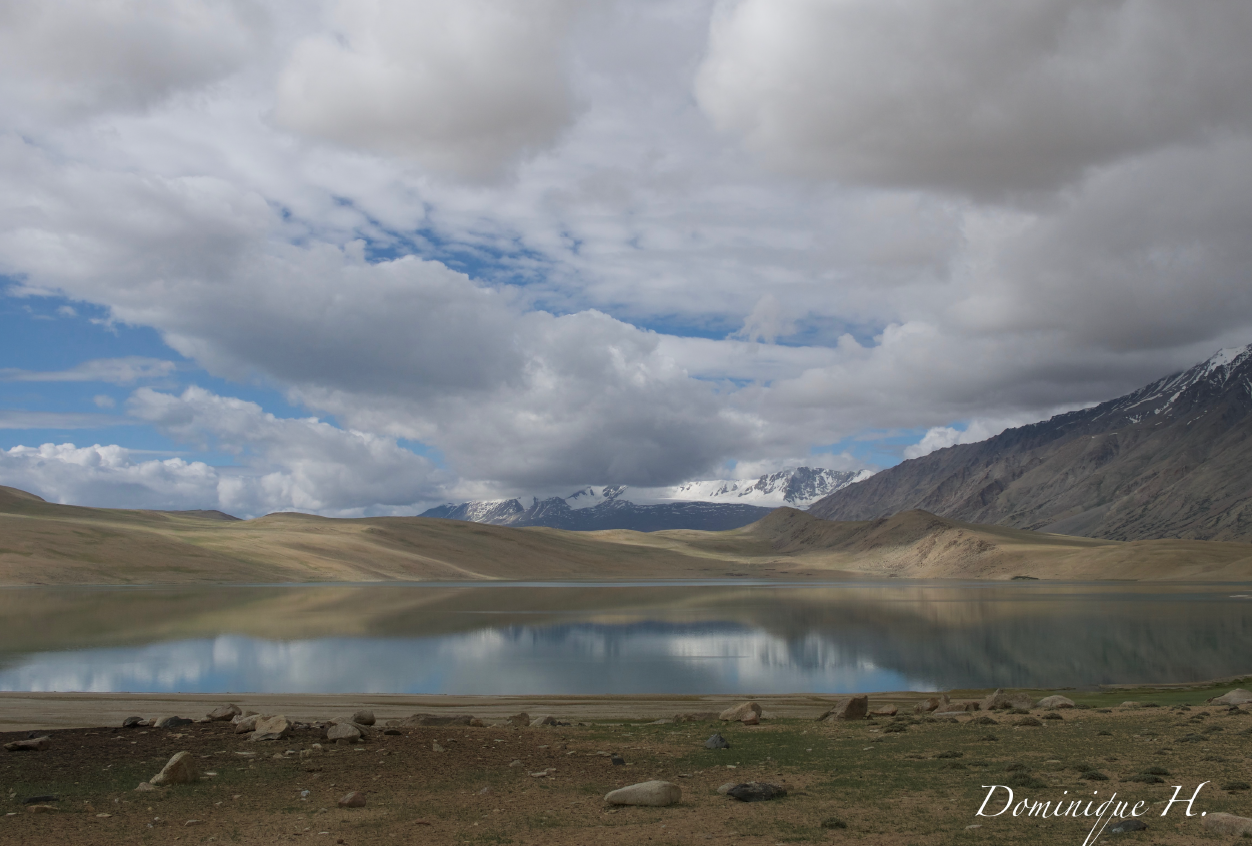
(692, 637)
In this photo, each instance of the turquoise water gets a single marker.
(712, 637)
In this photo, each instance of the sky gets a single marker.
(361, 257)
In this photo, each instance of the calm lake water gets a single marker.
(718, 637)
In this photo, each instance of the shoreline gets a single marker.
(39, 710)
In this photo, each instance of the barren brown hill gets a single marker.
(1171, 460)
(45, 543)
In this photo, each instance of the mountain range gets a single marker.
(713, 505)
(1170, 460)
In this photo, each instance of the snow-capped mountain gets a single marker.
(711, 505)
(1170, 460)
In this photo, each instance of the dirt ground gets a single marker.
(905, 780)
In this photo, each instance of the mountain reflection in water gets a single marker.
(587, 639)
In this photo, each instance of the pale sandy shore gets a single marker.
(24, 711)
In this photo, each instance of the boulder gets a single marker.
(1056, 702)
(756, 791)
(1227, 825)
(696, 717)
(1239, 696)
(246, 725)
(885, 711)
(1001, 701)
(32, 744)
(851, 708)
(519, 720)
(438, 720)
(656, 794)
(172, 722)
(343, 731)
(181, 769)
(271, 728)
(750, 719)
(364, 731)
(716, 742)
(738, 712)
(958, 706)
(933, 703)
(363, 718)
(133, 722)
(224, 712)
(355, 799)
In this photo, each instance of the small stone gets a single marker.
(1126, 826)
(271, 728)
(756, 791)
(172, 722)
(617, 760)
(224, 713)
(543, 773)
(655, 794)
(850, 708)
(40, 809)
(343, 731)
(1238, 696)
(1001, 701)
(193, 822)
(355, 799)
(1227, 825)
(716, 742)
(1057, 702)
(363, 717)
(181, 769)
(133, 722)
(738, 712)
(33, 744)
(515, 763)
(144, 787)
(435, 747)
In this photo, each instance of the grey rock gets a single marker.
(181, 769)
(271, 728)
(172, 722)
(1227, 825)
(1126, 826)
(756, 791)
(133, 722)
(247, 724)
(850, 708)
(738, 712)
(225, 712)
(355, 799)
(655, 794)
(716, 742)
(1238, 696)
(31, 744)
(343, 731)
(363, 717)
(1056, 701)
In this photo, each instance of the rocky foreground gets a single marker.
(860, 770)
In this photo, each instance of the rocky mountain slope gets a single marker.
(714, 505)
(1171, 460)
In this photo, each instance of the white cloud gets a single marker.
(74, 58)
(969, 96)
(988, 250)
(58, 420)
(466, 87)
(104, 401)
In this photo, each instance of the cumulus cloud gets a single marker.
(284, 464)
(74, 58)
(966, 213)
(973, 97)
(466, 87)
